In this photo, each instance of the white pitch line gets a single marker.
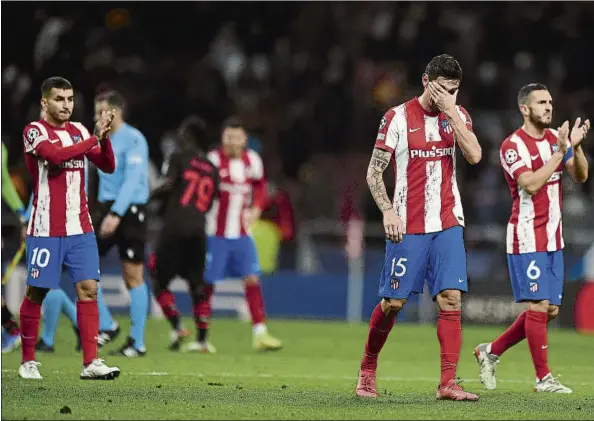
(297, 376)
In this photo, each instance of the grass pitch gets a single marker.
(312, 378)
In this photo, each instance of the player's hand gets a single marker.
(579, 133)
(443, 100)
(251, 215)
(23, 232)
(563, 138)
(103, 125)
(393, 226)
(109, 225)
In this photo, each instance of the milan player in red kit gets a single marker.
(60, 230)
(424, 222)
(533, 158)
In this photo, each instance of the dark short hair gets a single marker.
(445, 66)
(194, 130)
(525, 91)
(233, 122)
(56, 82)
(113, 98)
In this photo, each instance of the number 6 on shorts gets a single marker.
(533, 272)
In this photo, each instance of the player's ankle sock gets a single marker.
(139, 301)
(106, 322)
(29, 315)
(380, 326)
(449, 333)
(253, 295)
(8, 323)
(513, 335)
(50, 312)
(167, 302)
(536, 333)
(87, 313)
(260, 328)
(202, 312)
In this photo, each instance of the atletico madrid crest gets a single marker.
(445, 126)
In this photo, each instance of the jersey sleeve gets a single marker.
(511, 161)
(33, 136)
(465, 116)
(257, 167)
(213, 157)
(387, 134)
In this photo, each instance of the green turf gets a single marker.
(312, 378)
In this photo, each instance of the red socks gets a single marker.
(449, 333)
(253, 295)
(202, 310)
(513, 335)
(380, 326)
(536, 333)
(29, 317)
(167, 302)
(87, 316)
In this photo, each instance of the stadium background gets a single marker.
(311, 81)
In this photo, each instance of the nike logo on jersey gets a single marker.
(414, 130)
(534, 157)
(544, 346)
(460, 280)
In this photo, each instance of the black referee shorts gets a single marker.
(130, 236)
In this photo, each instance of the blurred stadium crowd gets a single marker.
(311, 81)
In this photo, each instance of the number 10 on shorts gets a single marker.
(40, 257)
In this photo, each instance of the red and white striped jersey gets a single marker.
(59, 196)
(242, 184)
(426, 195)
(535, 222)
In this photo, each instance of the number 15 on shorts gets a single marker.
(398, 270)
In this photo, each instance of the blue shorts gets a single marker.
(230, 258)
(47, 255)
(439, 258)
(537, 276)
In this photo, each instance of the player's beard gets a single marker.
(540, 122)
(59, 117)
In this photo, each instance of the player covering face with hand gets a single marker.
(533, 158)
(424, 221)
(60, 232)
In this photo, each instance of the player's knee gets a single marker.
(392, 305)
(87, 290)
(133, 274)
(251, 280)
(539, 306)
(36, 294)
(553, 312)
(450, 299)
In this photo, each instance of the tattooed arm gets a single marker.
(380, 159)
